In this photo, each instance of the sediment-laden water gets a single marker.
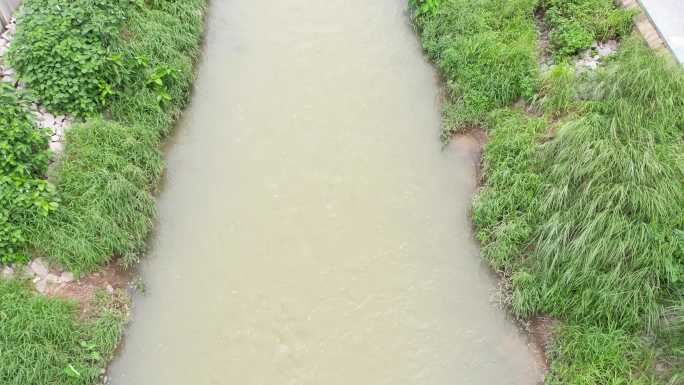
(311, 230)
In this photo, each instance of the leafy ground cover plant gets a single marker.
(61, 51)
(24, 194)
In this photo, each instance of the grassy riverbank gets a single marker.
(124, 69)
(144, 84)
(582, 206)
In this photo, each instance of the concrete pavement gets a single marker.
(668, 17)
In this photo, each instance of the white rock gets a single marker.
(28, 272)
(607, 48)
(110, 289)
(583, 65)
(51, 278)
(7, 272)
(56, 146)
(41, 286)
(66, 277)
(48, 120)
(587, 61)
(39, 268)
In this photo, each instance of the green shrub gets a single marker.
(41, 341)
(576, 24)
(61, 50)
(23, 163)
(487, 53)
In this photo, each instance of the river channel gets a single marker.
(312, 230)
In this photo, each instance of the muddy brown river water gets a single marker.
(311, 229)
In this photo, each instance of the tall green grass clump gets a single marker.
(612, 243)
(576, 24)
(42, 341)
(61, 50)
(505, 211)
(486, 50)
(105, 181)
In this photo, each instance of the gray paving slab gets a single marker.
(668, 17)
